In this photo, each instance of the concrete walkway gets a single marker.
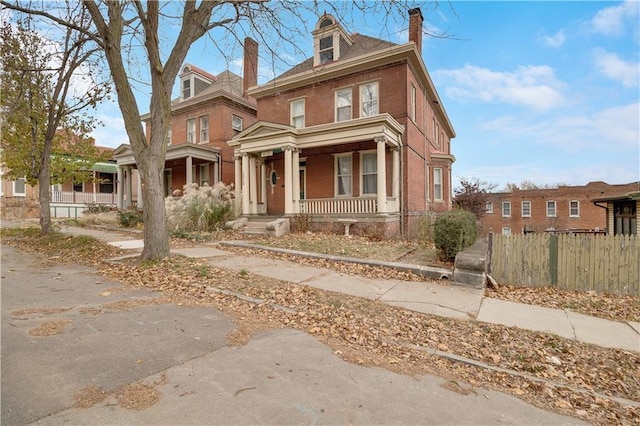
(444, 300)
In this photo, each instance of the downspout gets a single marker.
(403, 232)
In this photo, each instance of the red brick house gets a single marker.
(356, 133)
(210, 110)
(577, 208)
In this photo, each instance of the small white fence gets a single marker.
(83, 197)
(339, 205)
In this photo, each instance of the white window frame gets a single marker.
(203, 170)
(326, 49)
(555, 208)
(191, 130)
(506, 209)
(374, 102)
(24, 186)
(169, 135)
(188, 87)
(337, 107)
(236, 123)
(204, 128)
(577, 208)
(412, 110)
(73, 187)
(438, 186)
(301, 117)
(506, 230)
(362, 173)
(488, 208)
(337, 174)
(528, 213)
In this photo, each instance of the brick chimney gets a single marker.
(415, 27)
(250, 77)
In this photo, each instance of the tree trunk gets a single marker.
(156, 236)
(44, 193)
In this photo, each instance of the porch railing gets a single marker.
(82, 197)
(344, 205)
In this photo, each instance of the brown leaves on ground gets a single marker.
(89, 396)
(137, 396)
(50, 328)
(608, 306)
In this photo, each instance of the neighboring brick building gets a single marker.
(210, 111)
(562, 208)
(355, 133)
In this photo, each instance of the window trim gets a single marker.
(292, 117)
(522, 208)
(350, 90)
(193, 132)
(438, 184)
(376, 100)
(326, 49)
(337, 176)
(506, 230)
(234, 119)
(203, 129)
(577, 208)
(362, 174)
(169, 135)
(412, 106)
(190, 88)
(202, 167)
(555, 208)
(24, 185)
(488, 207)
(505, 204)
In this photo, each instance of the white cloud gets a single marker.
(611, 65)
(555, 40)
(529, 86)
(112, 132)
(612, 20)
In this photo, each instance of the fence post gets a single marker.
(553, 259)
(489, 253)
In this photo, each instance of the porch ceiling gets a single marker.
(125, 157)
(264, 136)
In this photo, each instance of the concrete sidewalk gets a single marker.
(444, 300)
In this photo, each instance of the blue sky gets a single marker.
(546, 92)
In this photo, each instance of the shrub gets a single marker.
(203, 208)
(130, 218)
(453, 232)
(97, 208)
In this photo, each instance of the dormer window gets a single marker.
(326, 49)
(328, 39)
(193, 81)
(186, 88)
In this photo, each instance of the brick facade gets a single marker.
(589, 215)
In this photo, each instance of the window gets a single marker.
(435, 131)
(236, 124)
(186, 89)
(506, 209)
(343, 168)
(326, 49)
(204, 174)
(574, 208)
(78, 187)
(526, 209)
(20, 187)
(204, 128)
(436, 135)
(412, 111)
(369, 166)
(551, 209)
(369, 99)
(343, 105)
(488, 207)
(297, 113)
(506, 231)
(169, 135)
(191, 130)
(437, 183)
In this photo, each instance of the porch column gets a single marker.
(245, 184)
(296, 181)
(382, 174)
(189, 169)
(140, 197)
(395, 177)
(237, 183)
(119, 188)
(288, 181)
(94, 188)
(128, 193)
(253, 188)
(216, 171)
(263, 186)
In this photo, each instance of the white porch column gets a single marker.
(253, 187)
(245, 185)
(263, 185)
(189, 169)
(128, 193)
(140, 197)
(296, 180)
(216, 172)
(288, 181)
(382, 175)
(237, 183)
(94, 187)
(395, 177)
(120, 188)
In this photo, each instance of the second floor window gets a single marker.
(526, 209)
(297, 113)
(236, 124)
(368, 99)
(574, 208)
(506, 209)
(191, 130)
(204, 128)
(437, 183)
(169, 135)
(551, 209)
(343, 105)
(489, 207)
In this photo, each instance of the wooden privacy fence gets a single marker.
(578, 262)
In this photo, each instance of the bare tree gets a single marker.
(43, 109)
(122, 26)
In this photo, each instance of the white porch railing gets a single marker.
(82, 197)
(345, 205)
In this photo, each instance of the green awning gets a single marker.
(105, 168)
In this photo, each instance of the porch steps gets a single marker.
(258, 225)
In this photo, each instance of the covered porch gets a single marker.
(331, 171)
(184, 164)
